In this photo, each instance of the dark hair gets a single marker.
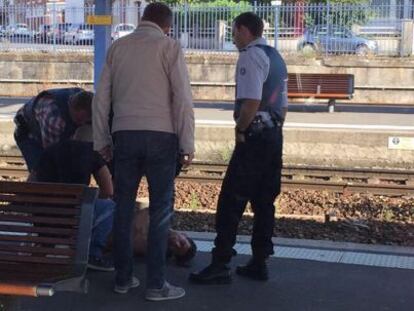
(82, 101)
(158, 13)
(184, 259)
(251, 21)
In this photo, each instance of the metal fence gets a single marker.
(335, 29)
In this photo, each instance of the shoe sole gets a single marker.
(164, 298)
(256, 278)
(98, 268)
(124, 291)
(214, 281)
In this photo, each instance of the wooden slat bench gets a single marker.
(321, 86)
(45, 231)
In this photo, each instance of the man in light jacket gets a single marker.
(146, 82)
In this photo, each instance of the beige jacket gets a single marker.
(146, 79)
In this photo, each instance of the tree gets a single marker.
(337, 1)
(203, 15)
(337, 12)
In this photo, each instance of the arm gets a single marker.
(247, 113)
(182, 103)
(251, 74)
(32, 176)
(101, 106)
(285, 101)
(104, 180)
(284, 113)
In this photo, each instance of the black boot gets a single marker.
(255, 269)
(215, 273)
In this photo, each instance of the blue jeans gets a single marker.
(153, 154)
(102, 226)
(31, 150)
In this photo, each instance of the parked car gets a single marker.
(122, 30)
(80, 34)
(57, 33)
(19, 30)
(382, 27)
(336, 39)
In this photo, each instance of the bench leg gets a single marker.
(331, 105)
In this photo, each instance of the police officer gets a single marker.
(50, 117)
(254, 171)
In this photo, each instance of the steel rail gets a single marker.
(339, 180)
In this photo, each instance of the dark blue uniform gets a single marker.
(254, 171)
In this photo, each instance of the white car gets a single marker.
(19, 30)
(80, 34)
(122, 30)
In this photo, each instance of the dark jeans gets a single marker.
(31, 150)
(153, 154)
(253, 174)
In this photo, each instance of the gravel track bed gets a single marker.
(360, 218)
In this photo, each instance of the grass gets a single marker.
(194, 202)
(388, 215)
(225, 153)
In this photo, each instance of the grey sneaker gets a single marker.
(167, 292)
(134, 282)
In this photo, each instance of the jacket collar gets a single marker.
(149, 27)
(261, 41)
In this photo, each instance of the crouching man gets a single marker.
(73, 162)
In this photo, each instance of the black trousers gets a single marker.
(253, 175)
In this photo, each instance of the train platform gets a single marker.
(352, 136)
(304, 275)
(394, 118)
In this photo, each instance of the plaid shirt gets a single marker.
(51, 123)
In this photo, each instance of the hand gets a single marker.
(106, 153)
(186, 159)
(240, 138)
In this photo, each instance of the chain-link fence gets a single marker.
(334, 29)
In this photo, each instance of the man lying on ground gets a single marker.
(181, 248)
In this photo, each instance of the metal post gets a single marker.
(184, 36)
(102, 38)
(185, 16)
(276, 25)
(55, 25)
(328, 22)
(406, 9)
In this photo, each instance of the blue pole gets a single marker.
(102, 38)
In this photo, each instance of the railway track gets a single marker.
(340, 180)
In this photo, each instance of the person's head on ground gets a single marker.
(182, 248)
(80, 107)
(160, 14)
(247, 27)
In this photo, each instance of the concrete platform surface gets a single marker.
(295, 284)
(298, 113)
